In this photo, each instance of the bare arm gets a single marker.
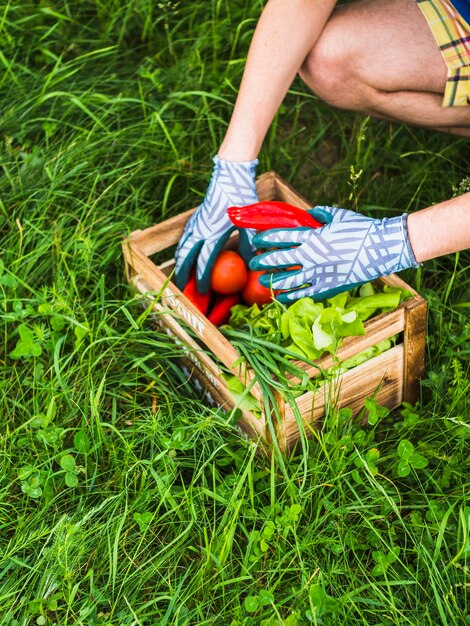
(286, 32)
(440, 229)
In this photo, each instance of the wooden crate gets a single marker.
(392, 377)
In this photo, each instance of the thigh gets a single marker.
(388, 45)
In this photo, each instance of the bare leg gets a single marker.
(380, 57)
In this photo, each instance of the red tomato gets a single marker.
(229, 273)
(254, 292)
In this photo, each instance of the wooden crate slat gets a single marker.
(380, 377)
(286, 193)
(395, 281)
(266, 186)
(161, 236)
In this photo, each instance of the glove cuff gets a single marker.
(396, 228)
(411, 255)
(224, 164)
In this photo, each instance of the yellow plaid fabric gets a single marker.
(452, 34)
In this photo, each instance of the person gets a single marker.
(398, 60)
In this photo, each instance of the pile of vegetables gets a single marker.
(307, 328)
(231, 283)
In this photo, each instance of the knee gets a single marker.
(330, 71)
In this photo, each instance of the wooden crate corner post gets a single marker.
(414, 341)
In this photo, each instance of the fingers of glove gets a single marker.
(283, 280)
(350, 218)
(327, 214)
(321, 215)
(287, 297)
(345, 216)
(330, 293)
(185, 261)
(245, 243)
(317, 293)
(206, 259)
(281, 237)
(275, 259)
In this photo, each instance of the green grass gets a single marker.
(124, 500)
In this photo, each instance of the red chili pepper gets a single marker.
(271, 214)
(200, 301)
(220, 313)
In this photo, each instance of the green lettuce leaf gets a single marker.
(310, 328)
(333, 324)
(366, 306)
(296, 325)
(241, 315)
(369, 353)
(244, 399)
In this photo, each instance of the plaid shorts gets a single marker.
(452, 34)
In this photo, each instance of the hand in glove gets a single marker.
(233, 183)
(349, 250)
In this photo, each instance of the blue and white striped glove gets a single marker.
(233, 183)
(350, 249)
